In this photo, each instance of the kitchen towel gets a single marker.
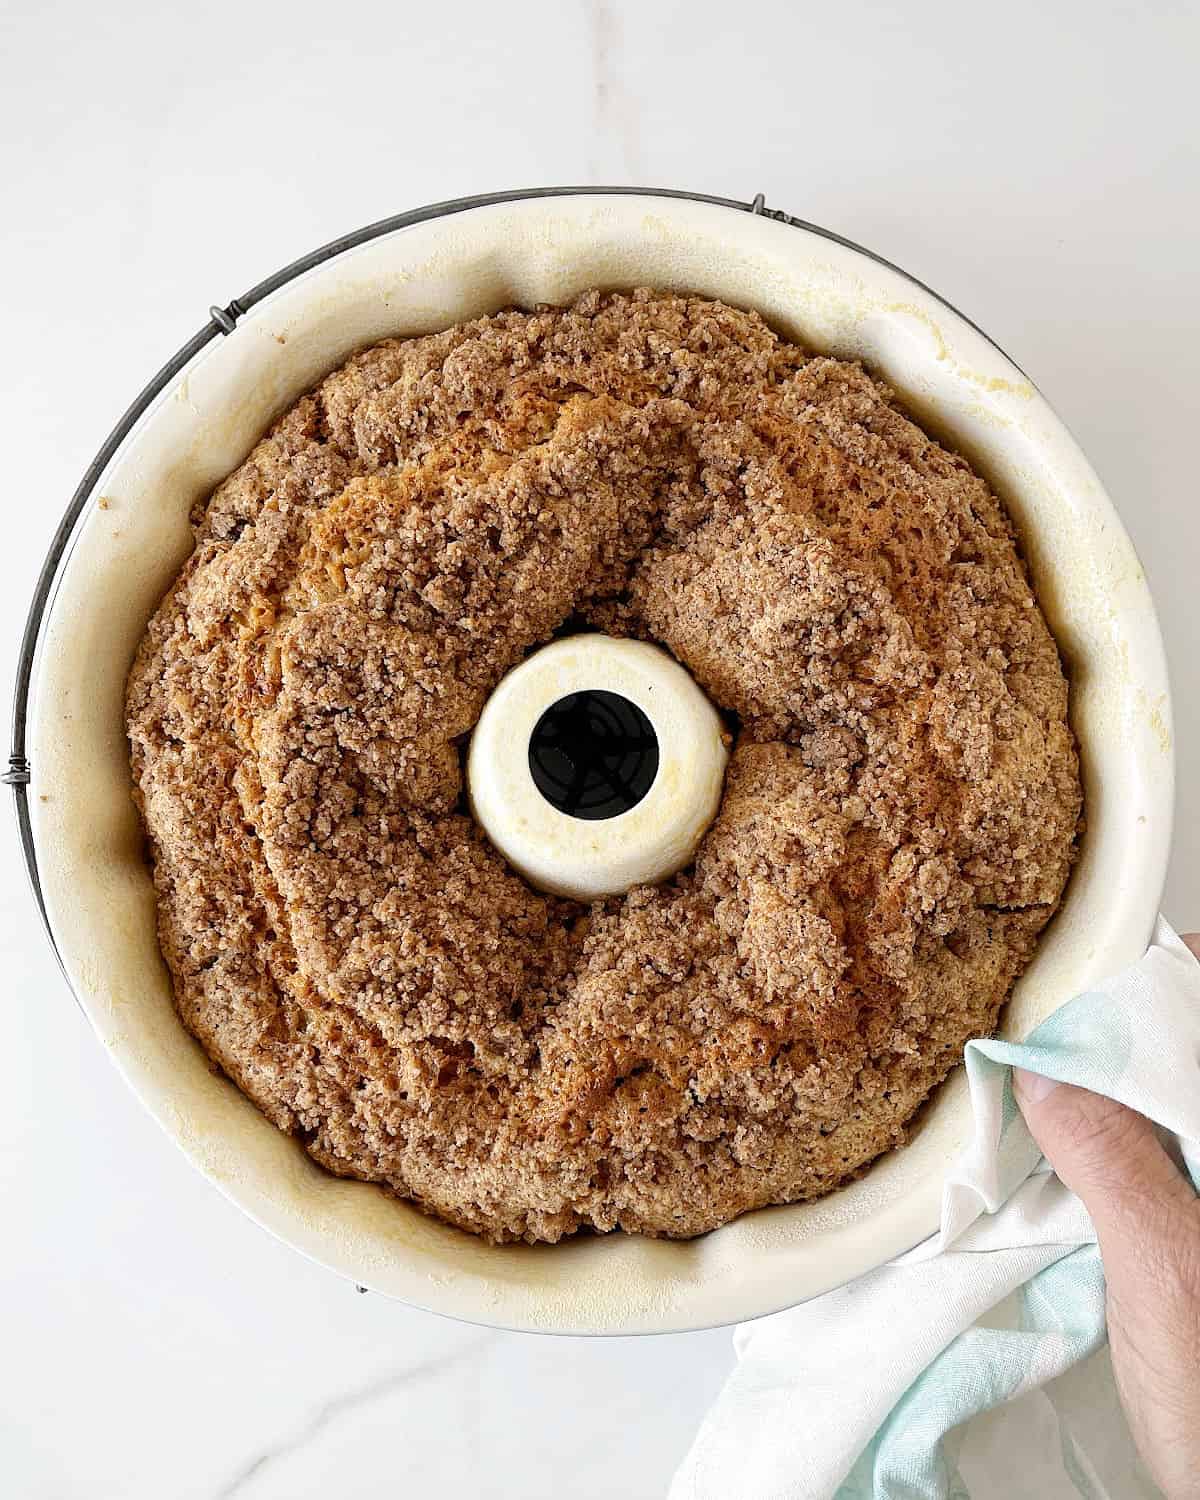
(863, 1394)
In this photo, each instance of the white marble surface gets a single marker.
(1036, 164)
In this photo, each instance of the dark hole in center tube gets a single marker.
(593, 755)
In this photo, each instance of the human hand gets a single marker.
(1147, 1219)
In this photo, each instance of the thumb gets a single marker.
(1107, 1154)
(1147, 1220)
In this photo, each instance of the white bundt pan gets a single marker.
(127, 535)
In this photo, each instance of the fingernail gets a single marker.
(1033, 1086)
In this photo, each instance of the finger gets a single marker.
(1108, 1155)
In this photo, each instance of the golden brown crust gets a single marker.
(897, 826)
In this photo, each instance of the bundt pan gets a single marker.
(126, 535)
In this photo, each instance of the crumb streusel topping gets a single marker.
(899, 814)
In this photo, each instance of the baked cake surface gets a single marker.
(899, 814)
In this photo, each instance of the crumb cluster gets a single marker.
(898, 820)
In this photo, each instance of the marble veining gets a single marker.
(618, 128)
(339, 1406)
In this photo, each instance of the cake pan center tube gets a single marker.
(597, 765)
